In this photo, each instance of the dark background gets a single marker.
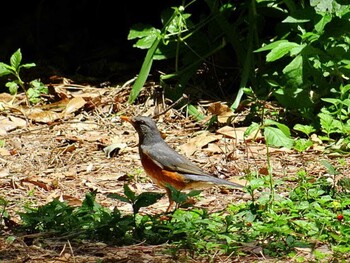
(78, 39)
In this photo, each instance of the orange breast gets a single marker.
(162, 177)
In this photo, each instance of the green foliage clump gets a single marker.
(314, 213)
(36, 88)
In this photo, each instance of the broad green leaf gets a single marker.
(146, 42)
(302, 144)
(275, 137)
(254, 127)
(146, 199)
(141, 31)
(307, 129)
(16, 59)
(346, 102)
(294, 72)
(5, 69)
(332, 101)
(281, 50)
(329, 124)
(282, 127)
(13, 87)
(271, 45)
(344, 89)
(325, 19)
(128, 193)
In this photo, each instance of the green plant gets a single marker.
(200, 42)
(13, 69)
(137, 201)
(309, 55)
(334, 118)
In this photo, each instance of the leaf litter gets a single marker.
(58, 150)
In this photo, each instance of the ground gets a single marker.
(58, 152)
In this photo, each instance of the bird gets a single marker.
(165, 166)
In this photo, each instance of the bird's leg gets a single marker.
(171, 201)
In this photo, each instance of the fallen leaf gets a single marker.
(18, 121)
(5, 97)
(213, 148)
(198, 142)
(222, 111)
(39, 115)
(73, 105)
(7, 125)
(236, 133)
(35, 181)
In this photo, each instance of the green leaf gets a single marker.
(307, 129)
(129, 194)
(16, 59)
(28, 65)
(141, 31)
(275, 137)
(5, 69)
(146, 199)
(329, 124)
(294, 72)
(291, 19)
(271, 45)
(13, 87)
(302, 144)
(254, 127)
(330, 168)
(282, 127)
(325, 19)
(280, 50)
(119, 197)
(146, 42)
(332, 101)
(192, 110)
(145, 69)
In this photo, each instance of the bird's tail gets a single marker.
(211, 179)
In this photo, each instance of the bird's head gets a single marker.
(145, 127)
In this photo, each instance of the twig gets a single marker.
(184, 96)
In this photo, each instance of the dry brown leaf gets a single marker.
(38, 115)
(222, 111)
(73, 105)
(18, 121)
(7, 125)
(5, 97)
(236, 133)
(35, 181)
(198, 142)
(71, 200)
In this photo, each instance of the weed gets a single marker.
(35, 88)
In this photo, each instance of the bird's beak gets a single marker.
(124, 118)
(128, 119)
